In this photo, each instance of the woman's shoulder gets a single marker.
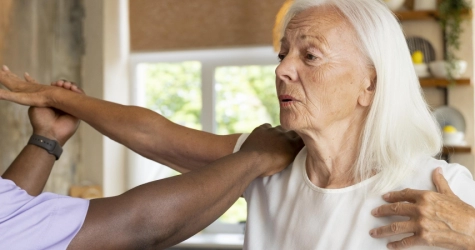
(459, 178)
(451, 171)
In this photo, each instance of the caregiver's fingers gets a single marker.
(68, 85)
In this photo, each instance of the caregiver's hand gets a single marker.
(436, 218)
(274, 147)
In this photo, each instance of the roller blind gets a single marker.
(161, 25)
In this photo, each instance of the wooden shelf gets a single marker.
(416, 15)
(442, 82)
(409, 15)
(456, 149)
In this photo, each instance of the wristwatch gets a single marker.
(51, 146)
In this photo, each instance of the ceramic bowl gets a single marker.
(394, 4)
(425, 4)
(455, 138)
(439, 68)
(422, 70)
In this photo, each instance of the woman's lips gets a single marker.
(285, 100)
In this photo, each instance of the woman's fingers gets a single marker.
(400, 227)
(440, 182)
(29, 79)
(410, 195)
(397, 208)
(404, 243)
(20, 98)
(10, 80)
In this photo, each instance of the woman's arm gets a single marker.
(436, 218)
(141, 130)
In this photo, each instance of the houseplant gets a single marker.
(450, 16)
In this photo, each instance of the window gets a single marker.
(219, 91)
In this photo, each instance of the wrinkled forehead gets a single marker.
(320, 21)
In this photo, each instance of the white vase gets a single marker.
(439, 69)
(425, 4)
(394, 4)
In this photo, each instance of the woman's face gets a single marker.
(323, 79)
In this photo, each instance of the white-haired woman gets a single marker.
(346, 85)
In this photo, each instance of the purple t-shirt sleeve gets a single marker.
(47, 221)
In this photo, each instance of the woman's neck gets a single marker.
(332, 154)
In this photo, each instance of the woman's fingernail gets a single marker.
(5, 67)
(386, 196)
(372, 232)
(26, 74)
(439, 169)
(374, 211)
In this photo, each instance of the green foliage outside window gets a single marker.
(174, 91)
(245, 98)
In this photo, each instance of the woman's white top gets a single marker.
(286, 211)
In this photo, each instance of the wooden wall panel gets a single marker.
(43, 38)
(158, 25)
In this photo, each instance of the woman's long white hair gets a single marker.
(399, 129)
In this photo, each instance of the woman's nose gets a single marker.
(287, 71)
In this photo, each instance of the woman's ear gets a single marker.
(367, 93)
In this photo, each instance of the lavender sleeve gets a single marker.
(47, 221)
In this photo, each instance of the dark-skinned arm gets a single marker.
(142, 130)
(165, 212)
(32, 167)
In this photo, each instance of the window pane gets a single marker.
(245, 98)
(174, 91)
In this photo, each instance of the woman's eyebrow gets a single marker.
(320, 41)
(284, 41)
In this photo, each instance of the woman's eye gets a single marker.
(310, 57)
(281, 57)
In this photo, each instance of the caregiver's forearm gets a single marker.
(31, 169)
(163, 213)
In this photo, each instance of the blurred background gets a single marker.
(205, 64)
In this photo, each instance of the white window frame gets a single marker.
(210, 60)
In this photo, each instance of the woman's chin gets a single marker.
(287, 124)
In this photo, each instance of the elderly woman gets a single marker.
(346, 85)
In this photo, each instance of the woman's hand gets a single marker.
(436, 218)
(24, 92)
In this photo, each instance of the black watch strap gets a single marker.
(51, 146)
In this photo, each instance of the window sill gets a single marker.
(213, 241)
